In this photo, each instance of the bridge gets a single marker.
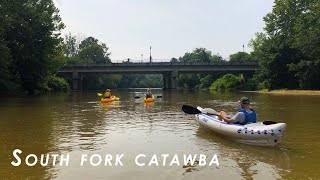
(169, 70)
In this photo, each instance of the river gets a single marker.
(78, 124)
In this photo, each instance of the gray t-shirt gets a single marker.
(239, 117)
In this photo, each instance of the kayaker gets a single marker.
(148, 94)
(245, 115)
(107, 94)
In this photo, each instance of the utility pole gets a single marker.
(150, 55)
(243, 48)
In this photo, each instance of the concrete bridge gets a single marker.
(169, 70)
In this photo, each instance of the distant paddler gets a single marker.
(107, 93)
(148, 94)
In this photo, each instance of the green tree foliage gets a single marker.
(57, 84)
(274, 60)
(198, 55)
(31, 36)
(94, 54)
(227, 82)
(71, 47)
(89, 41)
(240, 56)
(89, 51)
(5, 56)
(100, 81)
(188, 81)
(141, 81)
(288, 52)
(5, 60)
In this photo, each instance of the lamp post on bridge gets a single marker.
(150, 55)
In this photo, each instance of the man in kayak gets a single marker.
(148, 94)
(245, 115)
(107, 94)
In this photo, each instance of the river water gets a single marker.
(78, 124)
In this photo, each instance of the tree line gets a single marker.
(288, 51)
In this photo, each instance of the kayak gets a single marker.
(149, 99)
(252, 134)
(106, 100)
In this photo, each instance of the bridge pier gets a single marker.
(75, 80)
(173, 79)
(169, 80)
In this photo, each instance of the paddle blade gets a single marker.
(269, 122)
(209, 111)
(137, 97)
(190, 110)
(159, 96)
(117, 98)
(99, 94)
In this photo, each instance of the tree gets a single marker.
(32, 37)
(88, 42)
(94, 54)
(174, 60)
(289, 51)
(239, 56)
(306, 39)
(226, 82)
(200, 55)
(5, 57)
(71, 47)
(256, 44)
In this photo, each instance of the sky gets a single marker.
(170, 27)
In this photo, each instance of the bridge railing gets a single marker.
(220, 63)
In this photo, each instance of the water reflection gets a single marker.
(254, 162)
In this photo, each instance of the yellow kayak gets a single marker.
(149, 99)
(112, 98)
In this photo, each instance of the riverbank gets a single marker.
(290, 92)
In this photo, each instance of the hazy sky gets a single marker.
(171, 27)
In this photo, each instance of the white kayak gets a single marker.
(253, 134)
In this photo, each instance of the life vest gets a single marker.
(250, 117)
(107, 94)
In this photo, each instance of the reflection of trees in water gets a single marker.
(254, 161)
(27, 124)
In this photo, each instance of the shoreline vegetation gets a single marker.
(287, 92)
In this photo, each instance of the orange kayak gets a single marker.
(106, 100)
(149, 99)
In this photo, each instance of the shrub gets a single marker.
(57, 84)
(226, 82)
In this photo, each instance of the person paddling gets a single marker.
(107, 93)
(148, 94)
(245, 115)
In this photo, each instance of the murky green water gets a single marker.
(77, 124)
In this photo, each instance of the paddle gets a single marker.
(100, 94)
(116, 99)
(192, 110)
(137, 97)
(207, 110)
